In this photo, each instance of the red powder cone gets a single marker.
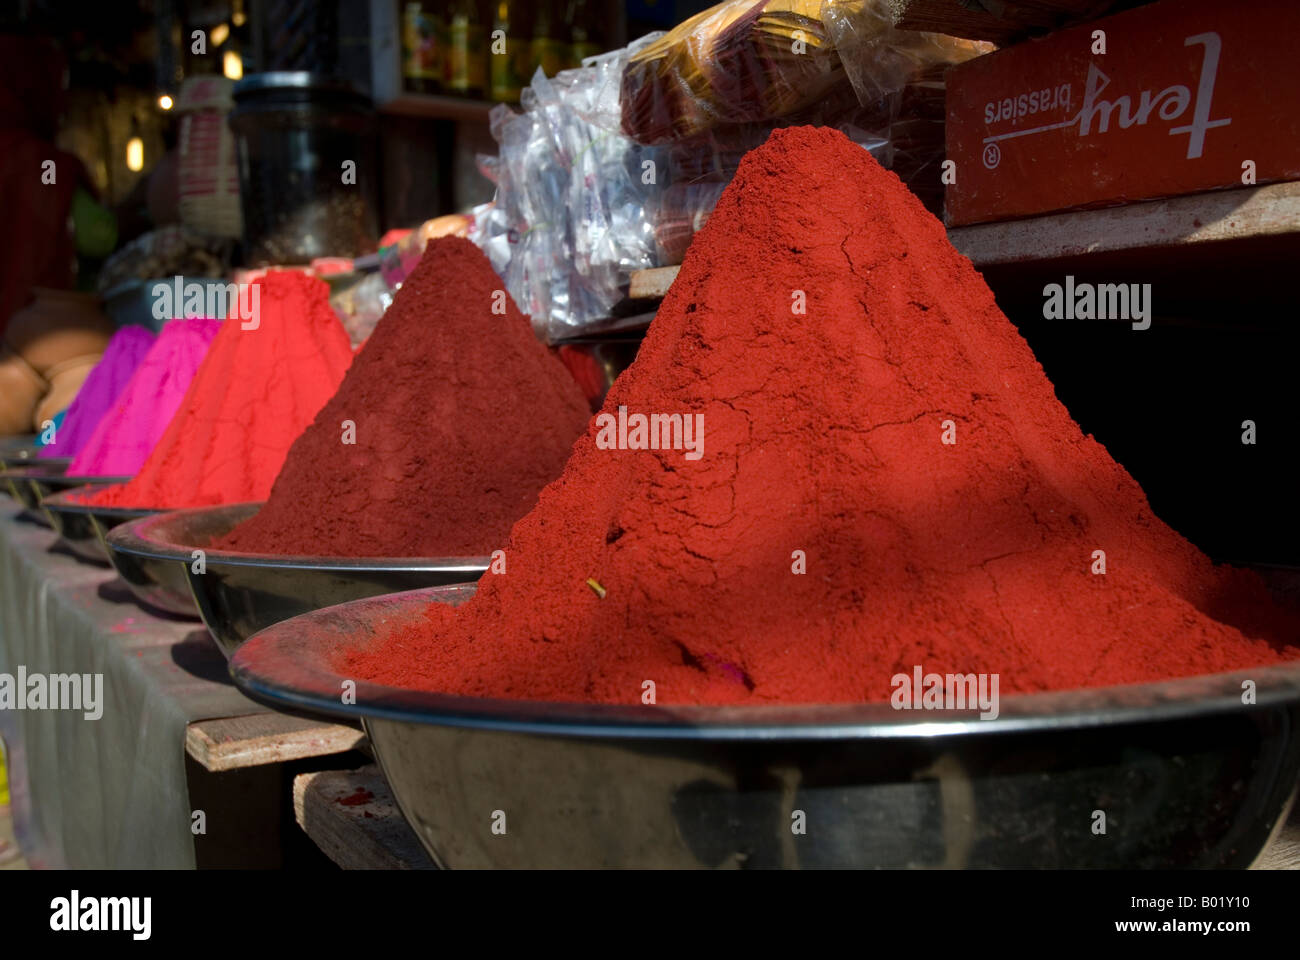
(458, 417)
(828, 538)
(256, 390)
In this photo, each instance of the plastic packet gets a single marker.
(743, 61)
(880, 60)
(756, 61)
(573, 206)
(360, 305)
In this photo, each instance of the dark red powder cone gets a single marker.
(459, 417)
(824, 453)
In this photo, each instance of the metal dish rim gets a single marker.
(133, 538)
(1166, 700)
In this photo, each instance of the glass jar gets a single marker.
(308, 168)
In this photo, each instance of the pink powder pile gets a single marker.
(107, 380)
(127, 434)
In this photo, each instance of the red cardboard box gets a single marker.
(1187, 92)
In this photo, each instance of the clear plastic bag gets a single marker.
(580, 204)
(361, 305)
(574, 204)
(899, 74)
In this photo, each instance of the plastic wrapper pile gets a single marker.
(613, 167)
(571, 212)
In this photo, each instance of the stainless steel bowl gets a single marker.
(153, 567)
(1185, 774)
(34, 485)
(238, 594)
(84, 526)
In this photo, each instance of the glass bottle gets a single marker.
(504, 50)
(463, 51)
(421, 60)
(548, 47)
(585, 31)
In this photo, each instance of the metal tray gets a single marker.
(237, 594)
(83, 526)
(1186, 775)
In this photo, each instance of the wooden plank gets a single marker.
(352, 816)
(1176, 223)
(1284, 852)
(232, 743)
(1264, 214)
(651, 284)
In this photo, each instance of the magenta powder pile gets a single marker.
(107, 380)
(128, 432)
